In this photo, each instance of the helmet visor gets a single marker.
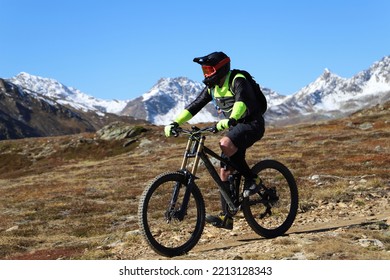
(209, 71)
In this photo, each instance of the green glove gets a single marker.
(222, 124)
(168, 129)
(225, 123)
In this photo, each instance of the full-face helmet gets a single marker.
(215, 66)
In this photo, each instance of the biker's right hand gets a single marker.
(169, 130)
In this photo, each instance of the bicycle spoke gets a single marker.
(272, 210)
(169, 229)
(171, 232)
(268, 215)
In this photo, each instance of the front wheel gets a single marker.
(168, 228)
(271, 212)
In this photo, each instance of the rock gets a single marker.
(315, 177)
(129, 142)
(363, 181)
(145, 143)
(12, 228)
(297, 256)
(371, 243)
(366, 126)
(378, 149)
(133, 232)
(342, 205)
(119, 130)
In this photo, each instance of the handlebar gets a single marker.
(194, 130)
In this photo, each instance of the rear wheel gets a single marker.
(168, 230)
(271, 211)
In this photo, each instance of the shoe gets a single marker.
(271, 195)
(251, 187)
(221, 221)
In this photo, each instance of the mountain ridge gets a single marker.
(27, 113)
(65, 95)
(329, 96)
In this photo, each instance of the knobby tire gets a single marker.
(282, 211)
(175, 237)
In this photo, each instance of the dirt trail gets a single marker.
(250, 238)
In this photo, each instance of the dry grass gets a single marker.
(76, 197)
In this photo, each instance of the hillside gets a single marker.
(76, 197)
(28, 113)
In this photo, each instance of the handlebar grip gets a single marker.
(175, 133)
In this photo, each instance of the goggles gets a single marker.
(209, 71)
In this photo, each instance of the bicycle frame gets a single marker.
(197, 150)
(184, 226)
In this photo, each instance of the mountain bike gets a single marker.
(171, 212)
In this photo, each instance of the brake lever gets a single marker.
(175, 133)
(214, 129)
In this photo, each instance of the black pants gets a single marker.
(243, 136)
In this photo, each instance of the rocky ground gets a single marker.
(76, 197)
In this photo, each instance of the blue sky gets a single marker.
(119, 49)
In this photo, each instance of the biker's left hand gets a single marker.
(222, 124)
(225, 123)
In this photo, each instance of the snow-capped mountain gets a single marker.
(169, 97)
(333, 96)
(36, 107)
(166, 99)
(52, 89)
(329, 96)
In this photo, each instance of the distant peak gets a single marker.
(23, 74)
(383, 63)
(326, 74)
(27, 76)
(386, 58)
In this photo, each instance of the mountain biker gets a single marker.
(242, 117)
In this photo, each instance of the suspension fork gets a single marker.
(172, 203)
(171, 213)
(194, 149)
(186, 154)
(180, 213)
